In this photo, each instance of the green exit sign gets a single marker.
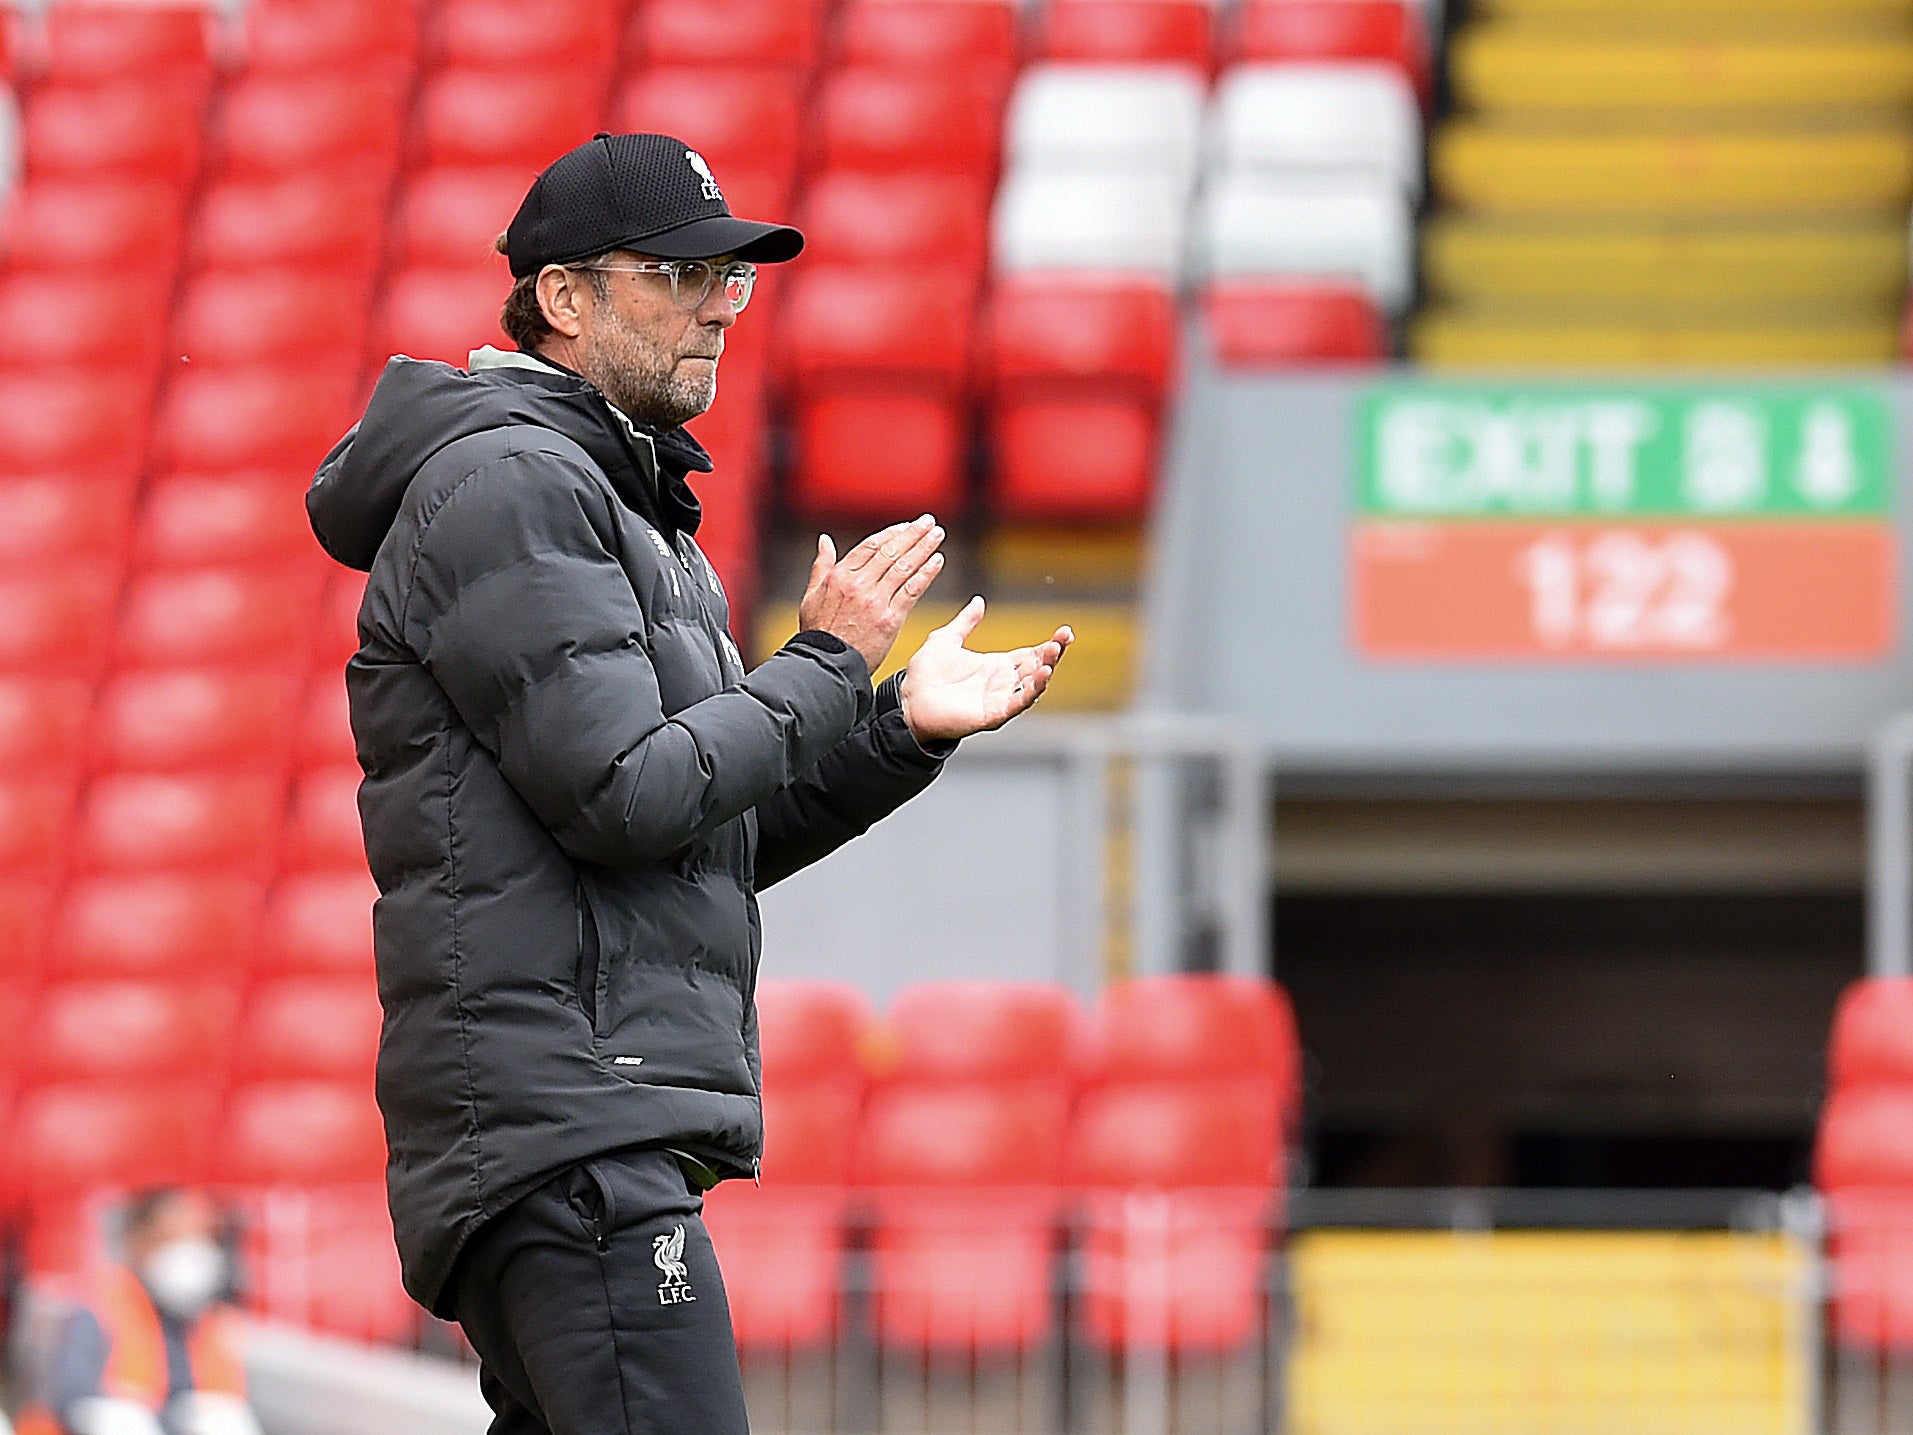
(1470, 450)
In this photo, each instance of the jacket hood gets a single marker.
(420, 406)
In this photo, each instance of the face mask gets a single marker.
(184, 1276)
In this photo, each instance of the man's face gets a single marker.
(654, 359)
(186, 1215)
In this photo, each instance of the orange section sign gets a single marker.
(1624, 592)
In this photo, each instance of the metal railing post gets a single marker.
(1890, 851)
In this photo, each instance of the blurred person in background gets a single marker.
(573, 788)
(154, 1350)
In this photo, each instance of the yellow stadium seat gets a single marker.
(1539, 69)
(1098, 675)
(1549, 1333)
(1714, 15)
(1450, 338)
(1517, 171)
(1701, 267)
(1095, 560)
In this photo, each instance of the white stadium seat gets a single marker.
(1282, 118)
(1316, 227)
(1077, 219)
(1139, 118)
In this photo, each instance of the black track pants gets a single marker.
(596, 1307)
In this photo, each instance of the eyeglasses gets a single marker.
(692, 279)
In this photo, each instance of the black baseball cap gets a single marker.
(651, 193)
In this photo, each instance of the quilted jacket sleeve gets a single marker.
(518, 607)
(867, 776)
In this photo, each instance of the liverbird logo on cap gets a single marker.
(711, 191)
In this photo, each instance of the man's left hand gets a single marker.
(950, 692)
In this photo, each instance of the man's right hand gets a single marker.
(865, 597)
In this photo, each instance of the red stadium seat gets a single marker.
(319, 922)
(169, 719)
(323, 1259)
(252, 519)
(274, 125)
(453, 215)
(103, 44)
(783, 1255)
(1193, 1028)
(149, 823)
(13, 1020)
(75, 1135)
(310, 1027)
(441, 314)
(1865, 1140)
(811, 1031)
(1074, 460)
(219, 615)
(757, 192)
(928, 219)
(906, 328)
(157, 925)
(783, 1242)
(505, 117)
(1176, 1135)
(56, 520)
(1181, 1187)
(953, 1136)
(35, 813)
(57, 619)
(320, 36)
(1273, 321)
(1091, 335)
(737, 118)
(317, 222)
(132, 1031)
(1128, 31)
(132, 224)
(775, 34)
(1385, 30)
(25, 911)
(884, 121)
(111, 321)
(1872, 1043)
(929, 35)
(125, 129)
(42, 724)
(1870, 1269)
(809, 1131)
(73, 422)
(284, 417)
(733, 432)
(324, 830)
(338, 635)
(324, 736)
(300, 1133)
(922, 456)
(271, 316)
(973, 1031)
(964, 1184)
(581, 35)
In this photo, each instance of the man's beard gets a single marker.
(651, 387)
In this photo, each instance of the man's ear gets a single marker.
(562, 300)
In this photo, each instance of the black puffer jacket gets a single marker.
(572, 788)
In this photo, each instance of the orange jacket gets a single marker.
(136, 1350)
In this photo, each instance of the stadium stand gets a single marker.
(997, 274)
